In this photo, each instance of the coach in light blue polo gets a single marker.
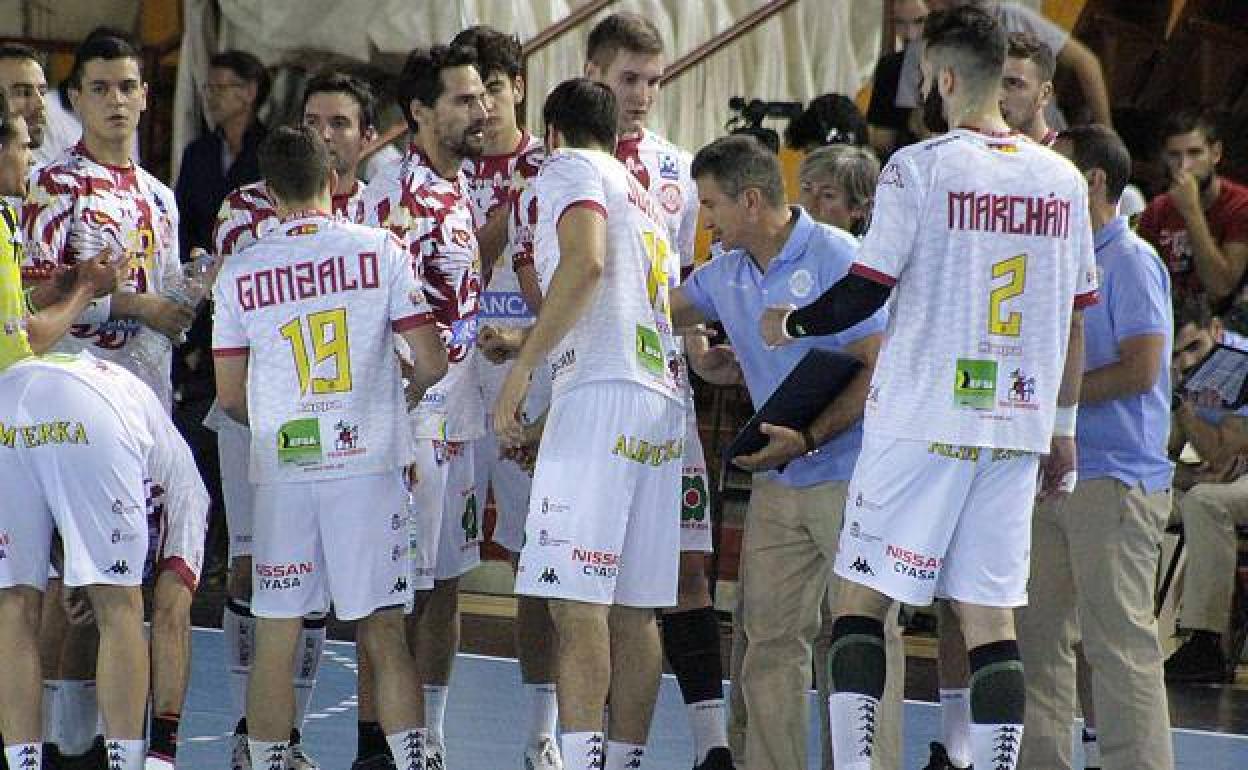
(774, 254)
(1094, 555)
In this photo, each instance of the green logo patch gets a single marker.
(299, 442)
(975, 386)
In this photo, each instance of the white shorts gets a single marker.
(459, 539)
(341, 540)
(69, 460)
(510, 485)
(176, 536)
(234, 452)
(928, 521)
(695, 498)
(602, 527)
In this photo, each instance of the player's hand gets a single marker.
(163, 315)
(1057, 470)
(498, 343)
(1185, 194)
(772, 325)
(77, 605)
(783, 445)
(507, 422)
(99, 274)
(524, 456)
(718, 365)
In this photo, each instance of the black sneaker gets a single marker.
(1199, 661)
(939, 760)
(717, 759)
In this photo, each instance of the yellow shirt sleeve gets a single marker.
(14, 345)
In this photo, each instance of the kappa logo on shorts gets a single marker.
(120, 567)
(400, 585)
(548, 576)
(861, 567)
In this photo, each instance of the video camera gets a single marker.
(750, 115)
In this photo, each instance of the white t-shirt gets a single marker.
(313, 304)
(664, 170)
(433, 219)
(988, 242)
(626, 334)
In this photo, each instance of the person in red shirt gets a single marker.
(1200, 225)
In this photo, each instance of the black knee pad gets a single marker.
(691, 643)
(998, 696)
(856, 656)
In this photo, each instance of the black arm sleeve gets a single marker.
(851, 301)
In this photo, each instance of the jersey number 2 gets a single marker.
(1015, 270)
(327, 330)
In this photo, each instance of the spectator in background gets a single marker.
(828, 119)
(1215, 503)
(225, 158)
(25, 88)
(1027, 86)
(1019, 18)
(1199, 225)
(887, 124)
(64, 129)
(838, 185)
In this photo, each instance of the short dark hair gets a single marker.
(19, 51)
(105, 43)
(342, 83)
(584, 111)
(740, 161)
(1097, 146)
(1194, 310)
(972, 41)
(496, 51)
(1207, 122)
(247, 68)
(828, 119)
(1024, 45)
(294, 162)
(626, 31)
(421, 79)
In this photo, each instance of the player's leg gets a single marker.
(1047, 627)
(237, 622)
(52, 629)
(307, 664)
(583, 676)
(636, 669)
(437, 641)
(367, 569)
(79, 732)
(122, 672)
(171, 659)
(954, 751)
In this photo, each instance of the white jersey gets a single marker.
(433, 219)
(988, 241)
(626, 334)
(664, 170)
(494, 182)
(77, 207)
(313, 304)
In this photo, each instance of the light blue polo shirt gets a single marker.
(1126, 438)
(731, 289)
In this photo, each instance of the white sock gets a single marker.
(544, 717)
(1091, 748)
(955, 725)
(707, 722)
(240, 646)
(435, 712)
(308, 664)
(408, 748)
(24, 756)
(52, 711)
(624, 756)
(995, 746)
(851, 718)
(583, 751)
(125, 754)
(268, 755)
(79, 713)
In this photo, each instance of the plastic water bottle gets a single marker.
(195, 281)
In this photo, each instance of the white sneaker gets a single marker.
(543, 756)
(299, 759)
(240, 752)
(435, 754)
(156, 763)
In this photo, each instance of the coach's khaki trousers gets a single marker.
(1093, 573)
(786, 559)
(1210, 513)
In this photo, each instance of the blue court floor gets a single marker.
(487, 716)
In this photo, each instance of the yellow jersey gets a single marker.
(14, 345)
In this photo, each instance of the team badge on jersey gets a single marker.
(669, 197)
(669, 167)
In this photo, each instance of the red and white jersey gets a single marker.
(249, 213)
(77, 207)
(313, 304)
(988, 242)
(663, 169)
(432, 217)
(626, 333)
(500, 181)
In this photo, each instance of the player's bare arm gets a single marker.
(90, 279)
(231, 374)
(491, 240)
(530, 287)
(583, 249)
(153, 311)
(428, 364)
(684, 313)
(1057, 469)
